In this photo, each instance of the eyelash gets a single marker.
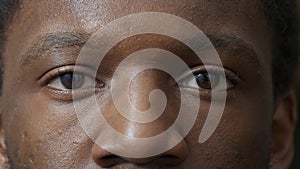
(231, 76)
(68, 94)
(53, 74)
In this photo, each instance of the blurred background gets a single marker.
(296, 162)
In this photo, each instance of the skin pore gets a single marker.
(41, 128)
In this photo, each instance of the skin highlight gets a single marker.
(41, 128)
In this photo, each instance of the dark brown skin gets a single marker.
(41, 129)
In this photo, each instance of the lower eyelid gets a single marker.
(69, 95)
(206, 95)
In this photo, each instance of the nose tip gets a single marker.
(160, 151)
(172, 157)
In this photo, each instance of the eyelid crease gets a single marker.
(232, 75)
(55, 72)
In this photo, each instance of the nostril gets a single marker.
(175, 156)
(168, 156)
(169, 159)
(105, 159)
(109, 161)
(110, 157)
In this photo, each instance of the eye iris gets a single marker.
(69, 78)
(206, 80)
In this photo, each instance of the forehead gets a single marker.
(244, 18)
(92, 14)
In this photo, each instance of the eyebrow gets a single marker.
(237, 44)
(50, 42)
(57, 41)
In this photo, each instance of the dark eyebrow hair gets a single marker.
(44, 44)
(56, 41)
(237, 44)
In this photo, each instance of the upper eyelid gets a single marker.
(55, 72)
(68, 65)
(227, 71)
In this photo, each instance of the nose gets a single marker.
(139, 89)
(172, 157)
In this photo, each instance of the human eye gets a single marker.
(63, 82)
(208, 79)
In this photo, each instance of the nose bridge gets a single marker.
(139, 90)
(141, 86)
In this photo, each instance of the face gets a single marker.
(41, 126)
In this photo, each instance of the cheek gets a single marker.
(42, 132)
(242, 138)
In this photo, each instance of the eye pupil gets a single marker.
(72, 80)
(206, 80)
